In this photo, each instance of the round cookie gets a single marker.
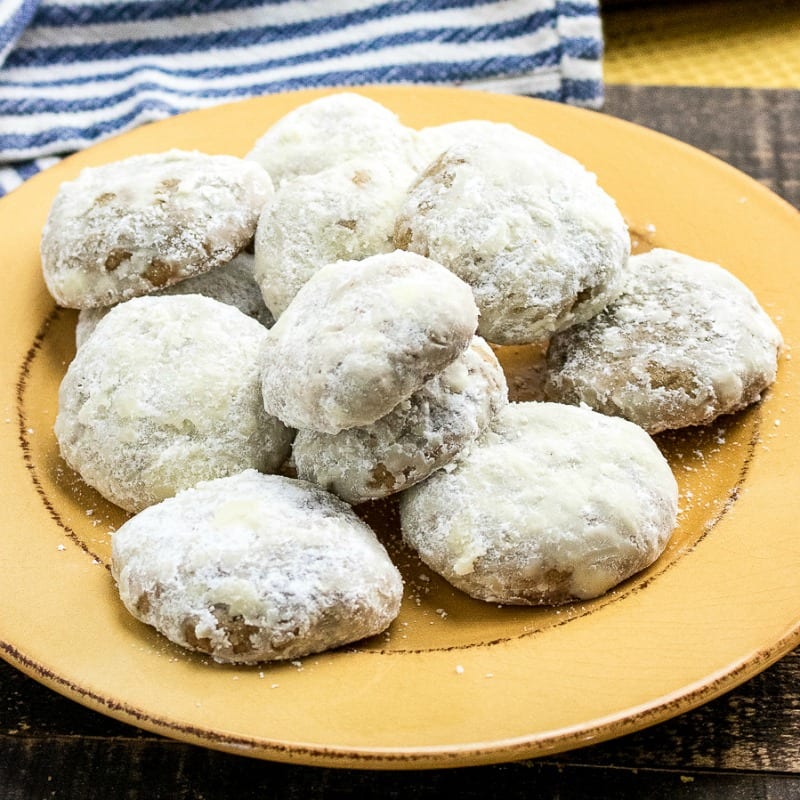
(232, 283)
(435, 139)
(420, 435)
(254, 568)
(165, 393)
(553, 503)
(526, 226)
(360, 336)
(343, 213)
(143, 223)
(685, 342)
(330, 130)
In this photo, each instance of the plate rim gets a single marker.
(515, 748)
(404, 759)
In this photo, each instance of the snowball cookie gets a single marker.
(525, 225)
(344, 213)
(435, 139)
(330, 130)
(165, 393)
(255, 568)
(137, 225)
(419, 435)
(232, 283)
(685, 342)
(553, 503)
(361, 336)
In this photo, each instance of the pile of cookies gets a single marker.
(265, 342)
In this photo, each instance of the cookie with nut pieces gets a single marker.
(540, 243)
(166, 392)
(553, 503)
(423, 433)
(684, 343)
(361, 336)
(254, 568)
(146, 222)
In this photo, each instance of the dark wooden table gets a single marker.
(742, 746)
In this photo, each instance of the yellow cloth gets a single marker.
(713, 43)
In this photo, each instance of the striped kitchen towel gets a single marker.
(73, 72)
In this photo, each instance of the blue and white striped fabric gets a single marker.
(73, 72)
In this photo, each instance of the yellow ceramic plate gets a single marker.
(454, 681)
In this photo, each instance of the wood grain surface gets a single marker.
(742, 746)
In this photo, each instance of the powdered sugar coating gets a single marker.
(330, 130)
(525, 225)
(360, 336)
(254, 568)
(166, 393)
(685, 342)
(232, 283)
(433, 140)
(420, 435)
(552, 503)
(343, 213)
(146, 222)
